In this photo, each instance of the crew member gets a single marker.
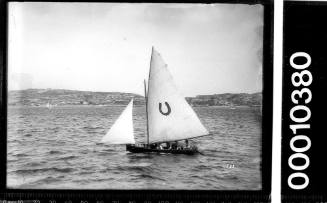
(186, 143)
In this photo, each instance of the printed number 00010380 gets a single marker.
(300, 79)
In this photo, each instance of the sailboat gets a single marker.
(48, 105)
(169, 117)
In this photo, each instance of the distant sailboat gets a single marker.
(169, 117)
(48, 105)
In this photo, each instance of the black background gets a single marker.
(305, 30)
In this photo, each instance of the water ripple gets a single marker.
(60, 149)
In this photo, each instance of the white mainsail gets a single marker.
(170, 117)
(122, 131)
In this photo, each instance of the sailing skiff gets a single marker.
(169, 117)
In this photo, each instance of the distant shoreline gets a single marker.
(90, 105)
(60, 97)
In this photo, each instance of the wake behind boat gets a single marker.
(169, 117)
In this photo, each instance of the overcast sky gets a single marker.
(107, 47)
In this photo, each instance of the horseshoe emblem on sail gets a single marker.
(168, 109)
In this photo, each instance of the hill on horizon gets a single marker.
(40, 97)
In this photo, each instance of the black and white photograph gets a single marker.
(135, 96)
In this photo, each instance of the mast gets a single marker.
(146, 109)
(146, 101)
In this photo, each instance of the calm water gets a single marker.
(57, 148)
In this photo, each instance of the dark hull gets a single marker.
(147, 149)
